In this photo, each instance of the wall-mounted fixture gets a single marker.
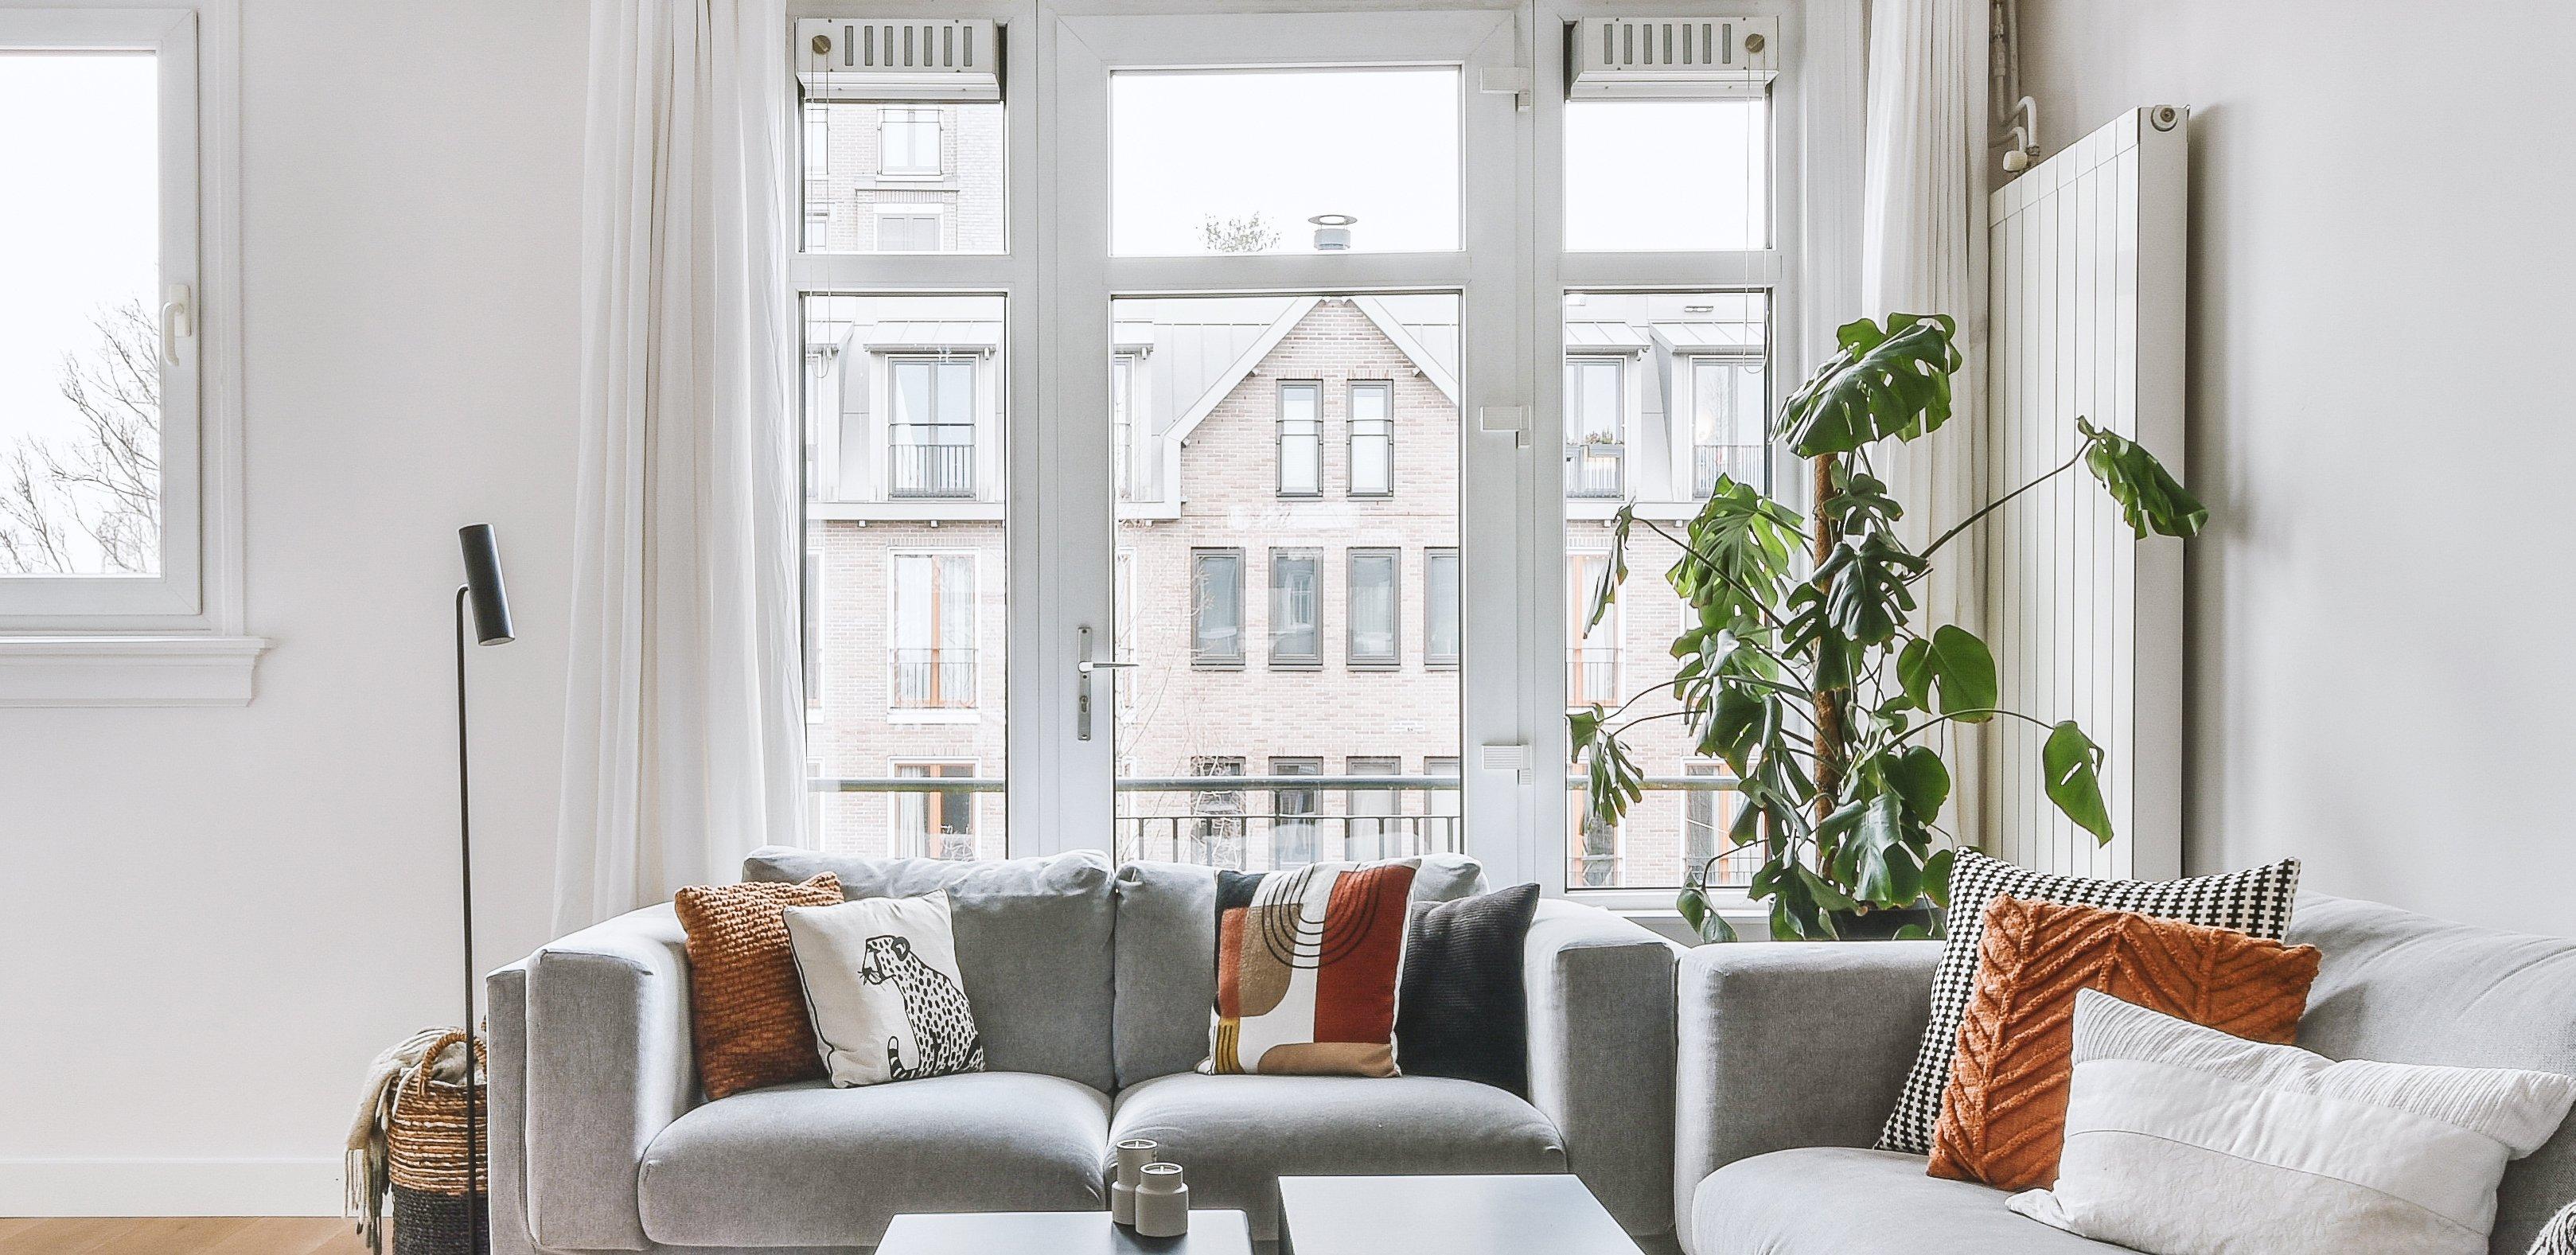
(942, 61)
(1671, 58)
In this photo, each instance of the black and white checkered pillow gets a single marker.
(2256, 902)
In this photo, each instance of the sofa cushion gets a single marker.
(2401, 988)
(1166, 956)
(1033, 944)
(1237, 1135)
(809, 1165)
(1835, 1201)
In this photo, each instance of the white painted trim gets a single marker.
(101, 670)
(170, 1187)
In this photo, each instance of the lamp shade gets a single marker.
(483, 589)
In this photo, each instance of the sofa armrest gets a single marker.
(1787, 1044)
(505, 1102)
(609, 1066)
(1601, 1054)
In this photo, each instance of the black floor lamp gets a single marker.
(482, 589)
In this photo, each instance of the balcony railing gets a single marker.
(1592, 675)
(1239, 822)
(1595, 469)
(933, 679)
(933, 470)
(1742, 463)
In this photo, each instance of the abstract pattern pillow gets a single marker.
(881, 977)
(747, 1016)
(2255, 902)
(2004, 1117)
(1460, 1009)
(1306, 966)
(2181, 1139)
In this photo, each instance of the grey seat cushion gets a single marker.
(1166, 956)
(808, 1165)
(1033, 944)
(1237, 1135)
(1838, 1201)
(2404, 988)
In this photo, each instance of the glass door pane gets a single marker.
(1284, 622)
(904, 398)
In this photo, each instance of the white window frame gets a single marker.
(1314, 435)
(175, 638)
(895, 827)
(816, 617)
(1351, 392)
(915, 210)
(886, 169)
(1059, 279)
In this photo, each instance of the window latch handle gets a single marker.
(178, 322)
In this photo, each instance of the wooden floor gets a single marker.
(189, 1235)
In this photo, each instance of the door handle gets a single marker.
(1085, 666)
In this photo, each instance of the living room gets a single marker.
(1846, 554)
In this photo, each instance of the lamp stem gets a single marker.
(465, 896)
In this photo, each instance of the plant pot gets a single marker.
(1884, 925)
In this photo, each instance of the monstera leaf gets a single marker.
(1954, 665)
(1892, 382)
(2151, 500)
(2071, 765)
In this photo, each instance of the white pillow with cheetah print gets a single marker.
(881, 980)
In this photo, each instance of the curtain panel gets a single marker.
(684, 742)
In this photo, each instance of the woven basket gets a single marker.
(427, 1161)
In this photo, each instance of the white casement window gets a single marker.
(1301, 438)
(910, 142)
(931, 435)
(907, 227)
(1229, 261)
(1372, 409)
(120, 562)
(933, 668)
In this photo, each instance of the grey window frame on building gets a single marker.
(1283, 653)
(1442, 640)
(1393, 656)
(1204, 596)
(1307, 431)
(1373, 448)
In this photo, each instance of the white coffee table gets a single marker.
(1544, 1214)
(1058, 1233)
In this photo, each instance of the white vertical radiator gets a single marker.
(2086, 272)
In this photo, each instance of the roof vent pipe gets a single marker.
(1333, 232)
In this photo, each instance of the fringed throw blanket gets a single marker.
(364, 1170)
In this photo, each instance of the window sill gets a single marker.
(134, 670)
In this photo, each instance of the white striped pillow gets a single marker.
(2181, 1139)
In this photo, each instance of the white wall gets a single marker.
(2381, 274)
(211, 919)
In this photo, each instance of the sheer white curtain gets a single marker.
(683, 746)
(1923, 252)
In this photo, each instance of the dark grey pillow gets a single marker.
(1460, 1010)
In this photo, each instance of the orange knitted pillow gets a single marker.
(747, 1013)
(2003, 1119)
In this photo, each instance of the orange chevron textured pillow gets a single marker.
(2003, 1119)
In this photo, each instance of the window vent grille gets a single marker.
(1671, 58)
(880, 60)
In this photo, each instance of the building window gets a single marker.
(934, 631)
(1441, 804)
(911, 142)
(1301, 439)
(818, 182)
(1440, 607)
(903, 228)
(1292, 823)
(1707, 815)
(1591, 657)
(931, 435)
(934, 822)
(1122, 425)
(817, 807)
(1595, 860)
(1373, 608)
(1218, 831)
(1216, 607)
(1596, 453)
(1728, 405)
(1374, 830)
(813, 631)
(1372, 439)
(1296, 591)
(1122, 595)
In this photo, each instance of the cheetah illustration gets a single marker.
(944, 1039)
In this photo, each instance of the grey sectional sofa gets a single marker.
(1091, 986)
(1791, 1055)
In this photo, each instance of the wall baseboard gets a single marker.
(169, 1187)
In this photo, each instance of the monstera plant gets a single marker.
(1803, 666)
